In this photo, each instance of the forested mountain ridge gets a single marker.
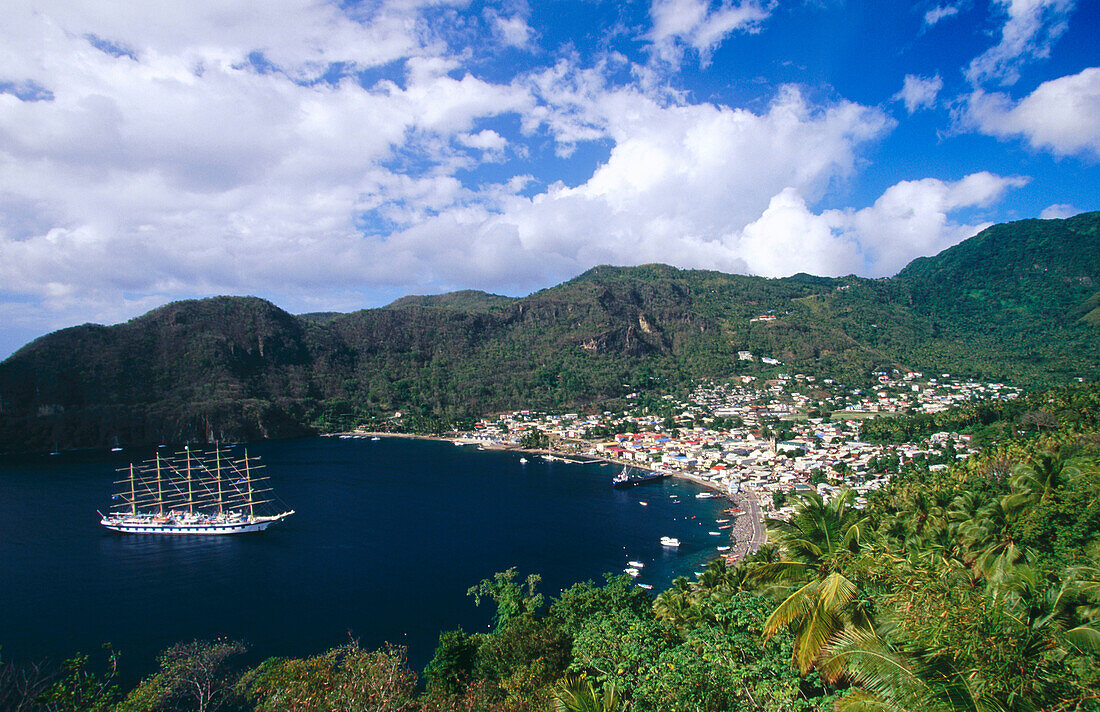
(1018, 302)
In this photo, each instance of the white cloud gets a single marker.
(938, 13)
(190, 165)
(187, 170)
(788, 238)
(487, 140)
(301, 37)
(511, 31)
(698, 25)
(909, 220)
(1030, 29)
(1061, 115)
(679, 185)
(1058, 210)
(918, 92)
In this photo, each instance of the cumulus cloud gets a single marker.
(1030, 29)
(487, 140)
(1058, 210)
(679, 185)
(300, 37)
(698, 25)
(182, 168)
(938, 13)
(155, 154)
(1061, 115)
(918, 92)
(910, 219)
(511, 31)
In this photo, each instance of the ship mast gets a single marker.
(133, 497)
(190, 499)
(248, 477)
(218, 474)
(160, 492)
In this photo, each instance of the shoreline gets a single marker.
(740, 500)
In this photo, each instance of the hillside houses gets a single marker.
(722, 434)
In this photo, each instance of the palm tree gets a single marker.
(987, 536)
(576, 693)
(1037, 479)
(677, 604)
(718, 577)
(888, 680)
(816, 546)
(1038, 630)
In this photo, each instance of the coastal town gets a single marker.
(757, 441)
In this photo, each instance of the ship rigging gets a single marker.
(193, 493)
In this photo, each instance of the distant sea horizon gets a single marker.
(387, 537)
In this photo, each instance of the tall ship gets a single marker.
(193, 493)
(627, 478)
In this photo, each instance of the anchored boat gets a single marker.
(627, 478)
(197, 493)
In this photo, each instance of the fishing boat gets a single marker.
(192, 493)
(626, 478)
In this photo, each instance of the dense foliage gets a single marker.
(1016, 302)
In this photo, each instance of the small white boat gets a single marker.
(376, 438)
(646, 586)
(723, 548)
(720, 521)
(715, 533)
(644, 504)
(636, 564)
(670, 541)
(523, 461)
(705, 495)
(631, 572)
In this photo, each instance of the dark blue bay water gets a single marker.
(388, 536)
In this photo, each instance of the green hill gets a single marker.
(462, 300)
(1018, 302)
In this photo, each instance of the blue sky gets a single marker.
(334, 156)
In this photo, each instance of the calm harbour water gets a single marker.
(388, 536)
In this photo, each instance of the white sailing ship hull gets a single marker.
(197, 529)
